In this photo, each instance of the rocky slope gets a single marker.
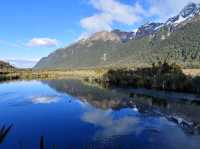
(178, 37)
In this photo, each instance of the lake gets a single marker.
(69, 114)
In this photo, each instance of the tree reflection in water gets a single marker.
(184, 113)
(4, 132)
(42, 143)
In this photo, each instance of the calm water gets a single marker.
(72, 115)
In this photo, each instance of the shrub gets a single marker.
(162, 76)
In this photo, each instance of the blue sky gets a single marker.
(31, 29)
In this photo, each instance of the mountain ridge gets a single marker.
(120, 48)
(4, 66)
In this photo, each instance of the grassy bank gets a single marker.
(29, 74)
(161, 76)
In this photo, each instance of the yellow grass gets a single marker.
(54, 74)
(192, 72)
(81, 73)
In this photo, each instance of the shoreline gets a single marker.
(88, 75)
(76, 73)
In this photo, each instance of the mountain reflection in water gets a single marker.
(184, 113)
(71, 114)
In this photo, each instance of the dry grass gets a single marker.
(28, 74)
(54, 74)
(81, 73)
(192, 72)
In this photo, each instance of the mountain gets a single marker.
(124, 36)
(4, 67)
(186, 13)
(148, 29)
(113, 36)
(177, 39)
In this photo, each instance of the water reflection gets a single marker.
(186, 115)
(71, 114)
(98, 97)
(42, 143)
(110, 126)
(183, 113)
(44, 99)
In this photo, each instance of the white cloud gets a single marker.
(164, 9)
(97, 22)
(42, 42)
(114, 11)
(117, 11)
(111, 11)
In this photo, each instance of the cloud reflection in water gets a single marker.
(44, 99)
(111, 126)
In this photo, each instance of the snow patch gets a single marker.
(181, 19)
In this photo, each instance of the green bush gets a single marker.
(161, 76)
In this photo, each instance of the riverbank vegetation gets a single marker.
(46, 74)
(8, 72)
(161, 76)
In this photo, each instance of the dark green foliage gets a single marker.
(162, 76)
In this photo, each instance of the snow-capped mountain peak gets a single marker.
(148, 29)
(186, 14)
(189, 11)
